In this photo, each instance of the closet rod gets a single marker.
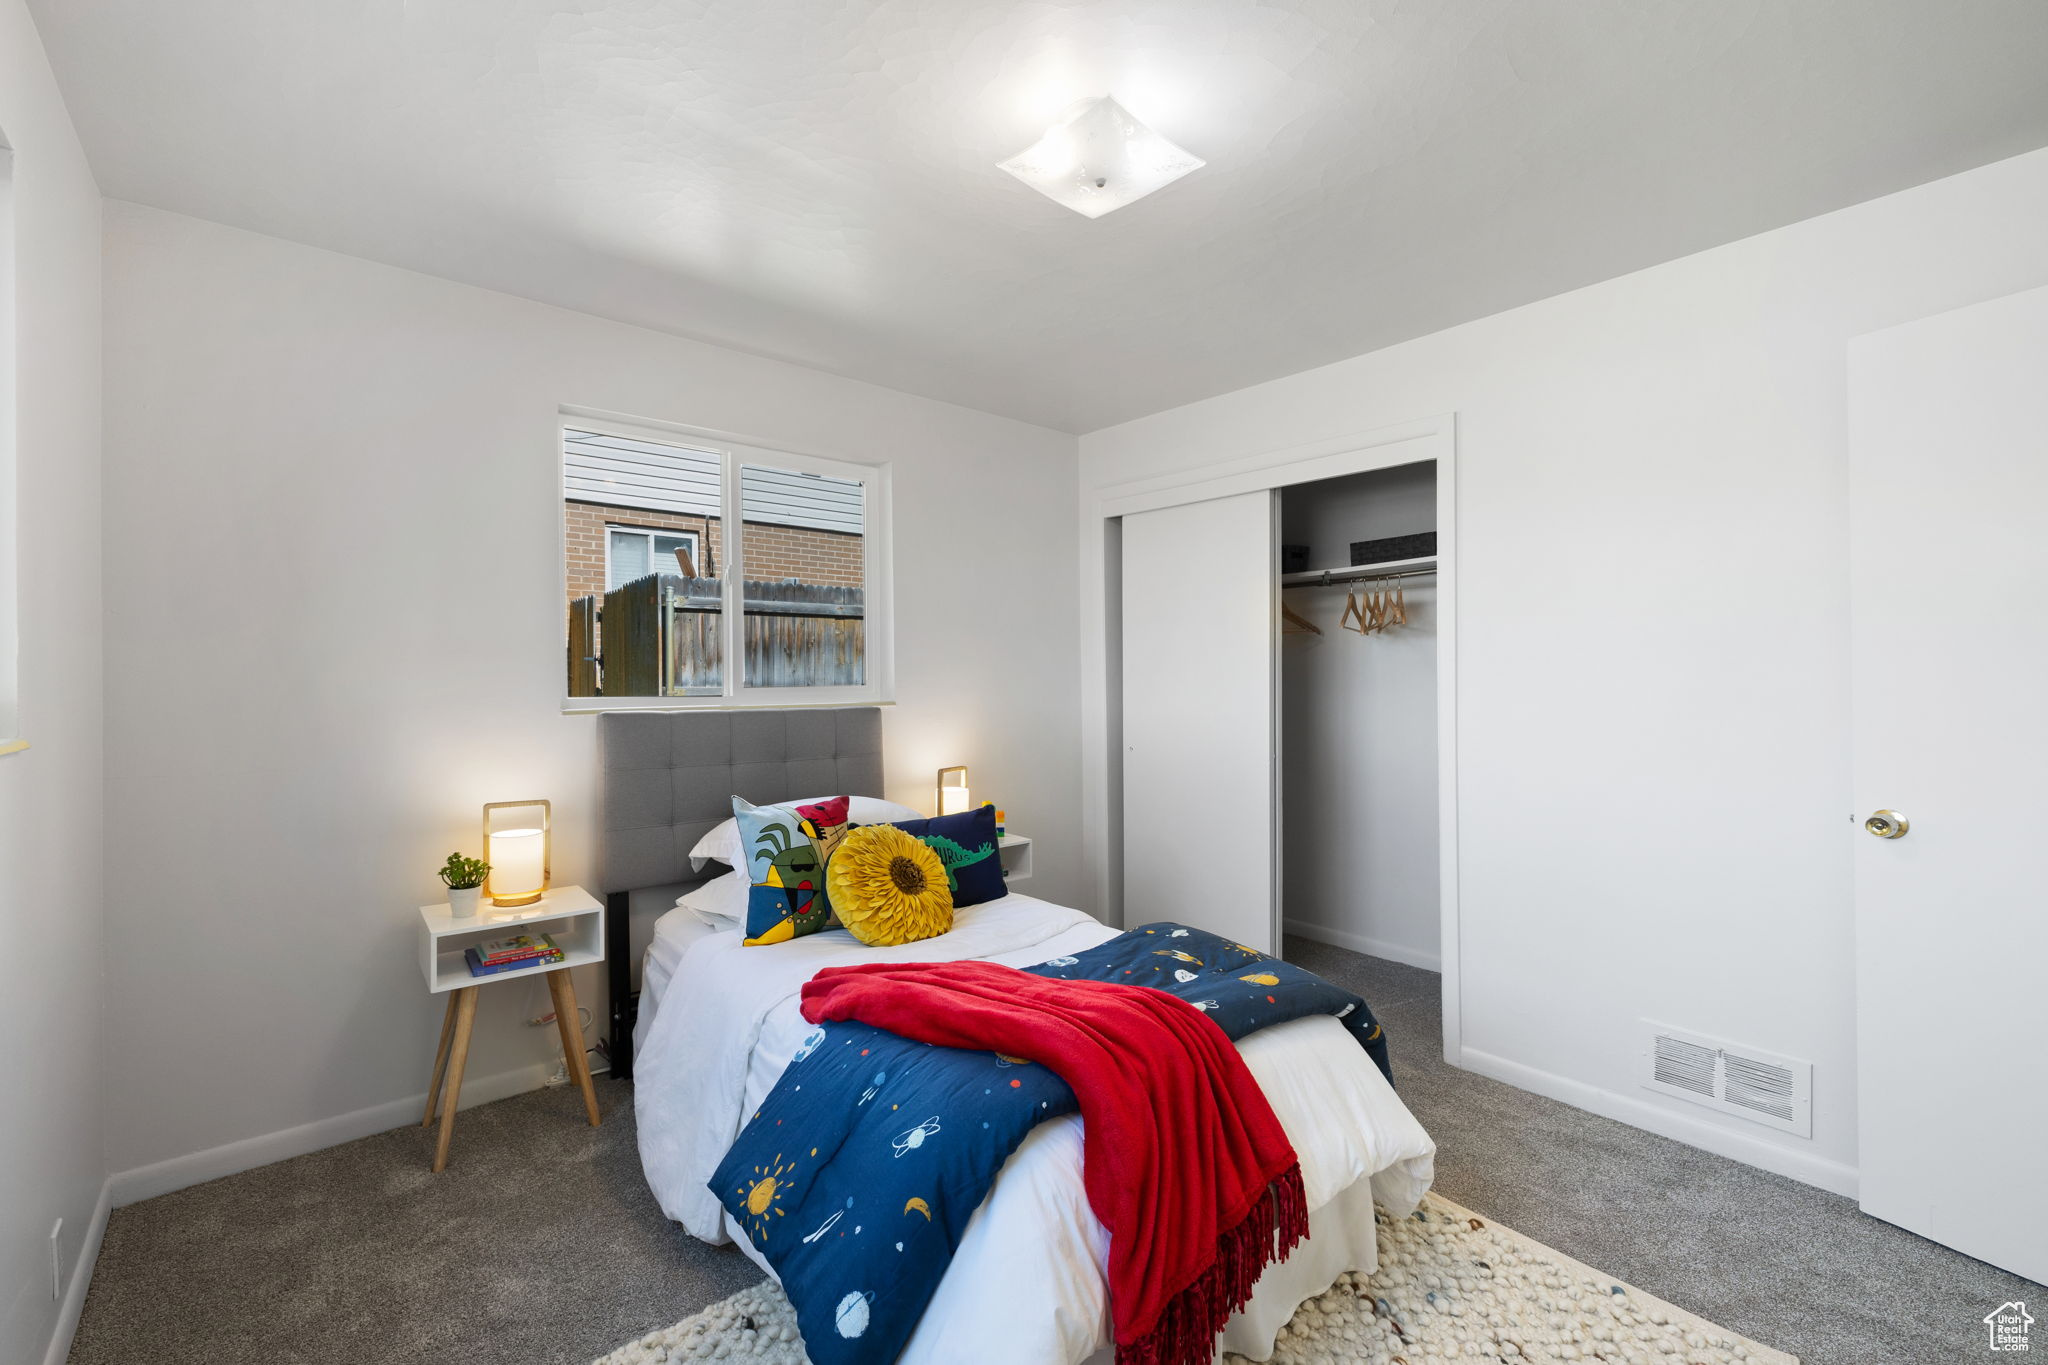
(1313, 578)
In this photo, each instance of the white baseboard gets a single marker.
(1833, 1176)
(195, 1168)
(1364, 943)
(81, 1279)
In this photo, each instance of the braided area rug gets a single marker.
(1451, 1285)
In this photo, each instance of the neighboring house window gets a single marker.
(788, 602)
(631, 553)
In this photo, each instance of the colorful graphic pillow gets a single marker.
(786, 851)
(889, 888)
(968, 848)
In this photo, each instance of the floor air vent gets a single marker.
(1745, 1081)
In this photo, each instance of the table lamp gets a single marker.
(519, 846)
(953, 797)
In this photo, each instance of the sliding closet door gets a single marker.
(1948, 424)
(1199, 719)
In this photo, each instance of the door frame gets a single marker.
(1431, 438)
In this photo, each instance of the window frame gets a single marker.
(734, 452)
(696, 539)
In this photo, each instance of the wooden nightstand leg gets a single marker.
(440, 1057)
(571, 1024)
(465, 1019)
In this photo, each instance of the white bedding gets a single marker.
(719, 1022)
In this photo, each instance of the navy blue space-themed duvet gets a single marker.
(858, 1175)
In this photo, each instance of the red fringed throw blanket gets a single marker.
(1184, 1162)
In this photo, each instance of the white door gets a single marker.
(1949, 533)
(1200, 592)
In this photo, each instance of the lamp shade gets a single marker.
(952, 792)
(518, 844)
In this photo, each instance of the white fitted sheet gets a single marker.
(674, 932)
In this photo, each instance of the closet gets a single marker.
(1357, 704)
(1277, 743)
(1200, 694)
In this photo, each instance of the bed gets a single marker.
(706, 1026)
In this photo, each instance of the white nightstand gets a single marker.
(1015, 851)
(576, 920)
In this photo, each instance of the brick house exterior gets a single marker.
(834, 558)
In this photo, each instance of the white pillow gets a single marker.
(722, 844)
(720, 902)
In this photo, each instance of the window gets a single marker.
(631, 552)
(776, 598)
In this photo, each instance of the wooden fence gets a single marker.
(804, 635)
(661, 636)
(583, 647)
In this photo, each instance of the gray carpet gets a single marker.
(1780, 1262)
(540, 1245)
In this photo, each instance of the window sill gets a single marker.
(12, 746)
(596, 706)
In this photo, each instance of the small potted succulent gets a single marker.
(465, 880)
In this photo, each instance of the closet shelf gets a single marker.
(1392, 568)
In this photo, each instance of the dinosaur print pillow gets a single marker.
(966, 844)
(786, 849)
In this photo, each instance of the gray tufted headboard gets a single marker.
(669, 778)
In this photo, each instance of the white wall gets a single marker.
(333, 507)
(1358, 732)
(51, 906)
(1653, 671)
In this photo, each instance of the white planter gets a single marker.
(462, 900)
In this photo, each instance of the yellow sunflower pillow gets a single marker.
(887, 888)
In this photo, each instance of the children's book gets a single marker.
(479, 967)
(517, 946)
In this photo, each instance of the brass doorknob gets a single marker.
(1887, 824)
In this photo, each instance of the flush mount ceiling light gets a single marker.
(1100, 158)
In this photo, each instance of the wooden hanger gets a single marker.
(1294, 623)
(1351, 611)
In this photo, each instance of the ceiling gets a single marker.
(816, 179)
